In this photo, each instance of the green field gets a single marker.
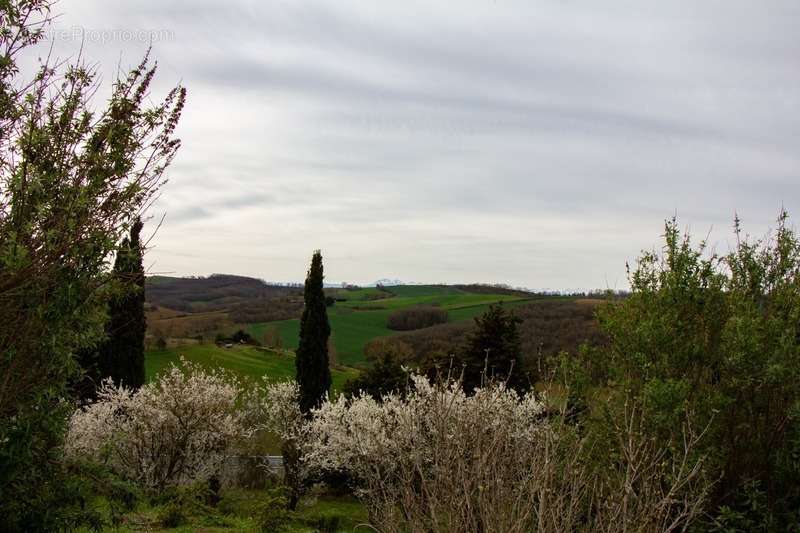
(422, 290)
(246, 361)
(361, 319)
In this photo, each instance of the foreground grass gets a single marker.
(246, 361)
(240, 510)
(358, 320)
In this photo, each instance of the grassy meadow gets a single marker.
(247, 361)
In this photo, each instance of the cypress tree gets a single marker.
(121, 356)
(494, 347)
(313, 373)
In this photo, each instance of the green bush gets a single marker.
(78, 495)
(180, 504)
(227, 507)
(384, 376)
(172, 515)
(273, 514)
(750, 513)
(325, 523)
(416, 318)
(713, 341)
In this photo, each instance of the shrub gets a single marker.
(416, 318)
(172, 430)
(161, 343)
(721, 335)
(493, 350)
(243, 337)
(273, 514)
(386, 375)
(272, 337)
(280, 413)
(181, 504)
(73, 176)
(325, 523)
(280, 409)
(441, 460)
(82, 496)
(238, 337)
(172, 515)
(388, 346)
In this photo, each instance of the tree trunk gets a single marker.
(291, 474)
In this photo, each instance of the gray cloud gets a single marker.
(537, 143)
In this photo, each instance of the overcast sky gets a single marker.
(540, 144)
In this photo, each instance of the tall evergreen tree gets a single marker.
(493, 347)
(121, 356)
(313, 372)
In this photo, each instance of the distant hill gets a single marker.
(202, 307)
(479, 288)
(213, 293)
(187, 307)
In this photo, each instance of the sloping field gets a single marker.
(445, 300)
(410, 291)
(246, 361)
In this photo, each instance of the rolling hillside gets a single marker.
(182, 308)
(247, 361)
(356, 321)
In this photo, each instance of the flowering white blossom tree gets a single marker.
(279, 409)
(441, 460)
(172, 430)
(437, 459)
(279, 413)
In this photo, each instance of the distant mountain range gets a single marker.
(391, 282)
(386, 282)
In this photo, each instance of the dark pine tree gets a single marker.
(313, 373)
(121, 356)
(493, 347)
(384, 376)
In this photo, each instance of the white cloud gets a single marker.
(537, 143)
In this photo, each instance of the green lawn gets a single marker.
(246, 361)
(353, 328)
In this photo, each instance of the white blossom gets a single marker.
(171, 430)
(279, 408)
(433, 448)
